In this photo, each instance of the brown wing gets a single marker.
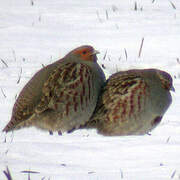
(67, 89)
(120, 98)
(29, 97)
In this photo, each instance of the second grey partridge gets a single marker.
(62, 95)
(132, 102)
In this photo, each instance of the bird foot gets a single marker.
(59, 133)
(50, 132)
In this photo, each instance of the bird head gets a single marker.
(84, 53)
(166, 79)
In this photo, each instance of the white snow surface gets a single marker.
(36, 32)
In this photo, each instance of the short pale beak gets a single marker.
(95, 52)
(172, 89)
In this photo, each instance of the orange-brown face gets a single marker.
(86, 53)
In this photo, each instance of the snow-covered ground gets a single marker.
(36, 32)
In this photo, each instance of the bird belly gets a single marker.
(52, 120)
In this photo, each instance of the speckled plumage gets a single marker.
(62, 95)
(132, 102)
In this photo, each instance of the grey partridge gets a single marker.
(132, 102)
(62, 95)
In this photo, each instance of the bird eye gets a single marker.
(84, 52)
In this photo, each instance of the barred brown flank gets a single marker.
(83, 90)
(86, 99)
(74, 98)
(75, 106)
(139, 102)
(67, 108)
(81, 97)
(89, 88)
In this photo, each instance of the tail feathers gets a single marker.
(13, 125)
(9, 127)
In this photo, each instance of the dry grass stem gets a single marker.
(172, 4)
(121, 174)
(173, 174)
(14, 55)
(178, 61)
(19, 76)
(135, 6)
(30, 172)
(140, 50)
(4, 62)
(32, 3)
(105, 55)
(100, 20)
(7, 174)
(125, 53)
(107, 16)
(168, 139)
(3, 93)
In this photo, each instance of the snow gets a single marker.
(36, 32)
